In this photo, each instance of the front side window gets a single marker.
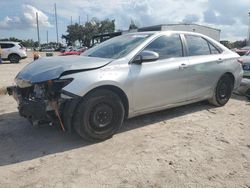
(167, 46)
(197, 45)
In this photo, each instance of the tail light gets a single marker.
(23, 48)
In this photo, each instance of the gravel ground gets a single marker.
(196, 145)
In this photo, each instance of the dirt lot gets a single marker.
(191, 146)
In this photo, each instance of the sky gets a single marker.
(18, 17)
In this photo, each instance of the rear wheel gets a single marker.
(14, 58)
(99, 115)
(223, 91)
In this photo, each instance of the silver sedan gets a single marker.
(126, 76)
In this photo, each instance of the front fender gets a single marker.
(84, 82)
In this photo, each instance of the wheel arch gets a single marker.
(231, 76)
(121, 94)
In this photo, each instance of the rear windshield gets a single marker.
(117, 47)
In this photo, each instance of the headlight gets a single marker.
(53, 87)
(57, 85)
(22, 83)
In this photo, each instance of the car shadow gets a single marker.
(19, 141)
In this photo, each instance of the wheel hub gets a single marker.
(223, 92)
(102, 115)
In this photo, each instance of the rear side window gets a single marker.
(197, 45)
(167, 46)
(6, 45)
(213, 50)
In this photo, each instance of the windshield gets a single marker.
(117, 47)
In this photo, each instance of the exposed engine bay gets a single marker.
(42, 102)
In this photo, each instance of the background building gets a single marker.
(209, 31)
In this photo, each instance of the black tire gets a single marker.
(68, 112)
(99, 115)
(223, 91)
(14, 58)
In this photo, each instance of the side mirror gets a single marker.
(146, 56)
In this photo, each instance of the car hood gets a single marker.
(50, 68)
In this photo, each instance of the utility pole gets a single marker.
(37, 27)
(79, 20)
(56, 25)
(87, 18)
(71, 21)
(47, 37)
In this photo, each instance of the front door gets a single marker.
(162, 82)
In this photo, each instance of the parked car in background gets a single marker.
(245, 60)
(74, 51)
(123, 77)
(244, 88)
(12, 51)
(242, 51)
(47, 49)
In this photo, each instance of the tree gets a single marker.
(84, 33)
(73, 35)
(236, 44)
(132, 25)
(106, 26)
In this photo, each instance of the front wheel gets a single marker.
(99, 115)
(223, 91)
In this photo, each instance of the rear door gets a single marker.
(204, 66)
(162, 82)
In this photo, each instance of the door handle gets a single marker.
(183, 66)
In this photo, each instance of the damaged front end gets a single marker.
(41, 102)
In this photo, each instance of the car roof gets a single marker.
(166, 32)
(9, 42)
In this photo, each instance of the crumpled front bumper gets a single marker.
(34, 110)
